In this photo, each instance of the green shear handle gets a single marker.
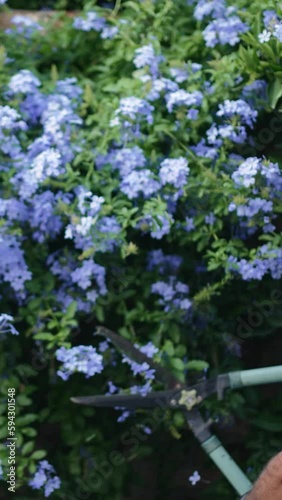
(257, 376)
(213, 446)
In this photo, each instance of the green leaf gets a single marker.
(177, 364)
(26, 419)
(71, 310)
(197, 364)
(99, 310)
(168, 347)
(274, 92)
(22, 400)
(27, 447)
(268, 422)
(44, 336)
(179, 418)
(32, 468)
(38, 454)
(29, 431)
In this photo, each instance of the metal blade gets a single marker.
(198, 425)
(215, 385)
(130, 401)
(206, 388)
(161, 374)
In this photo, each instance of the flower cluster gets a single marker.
(23, 26)
(139, 369)
(13, 268)
(174, 171)
(157, 227)
(267, 261)
(6, 325)
(133, 110)
(213, 8)
(140, 163)
(145, 56)
(45, 478)
(163, 263)
(124, 160)
(55, 117)
(173, 294)
(88, 277)
(242, 113)
(248, 171)
(225, 27)
(82, 359)
(256, 176)
(94, 22)
(224, 31)
(273, 27)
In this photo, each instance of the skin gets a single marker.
(269, 484)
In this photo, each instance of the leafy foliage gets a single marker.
(140, 188)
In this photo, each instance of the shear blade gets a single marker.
(130, 401)
(161, 374)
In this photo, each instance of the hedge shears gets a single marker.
(187, 398)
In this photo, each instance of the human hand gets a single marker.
(269, 484)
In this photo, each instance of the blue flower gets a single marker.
(195, 478)
(42, 217)
(124, 160)
(278, 31)
(173, 294)
(267, 261)
(179, 74)
(214, 8)
(201, 149)
(6, 324)
(138, 182)
(228, 109)
(88, 271)
(24, 26)
(160, 85)
(92, 22)
(149, 349)
(134, 108)
(109, 32)
(45, 478)
(210, 219)
(69, 88)
(270, 18)
(156, 258)
(158, 226)
(183, 98)
(13, 268)
(140, 369)
(224, 31)
(145, 56)
(174, 171)
(23, 82)
(245, 174)
(83, 359)
(189, 224)
(142, 390)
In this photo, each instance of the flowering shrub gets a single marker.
(141, 189)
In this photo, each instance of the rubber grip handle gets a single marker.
(269, 375)
(227, 466)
